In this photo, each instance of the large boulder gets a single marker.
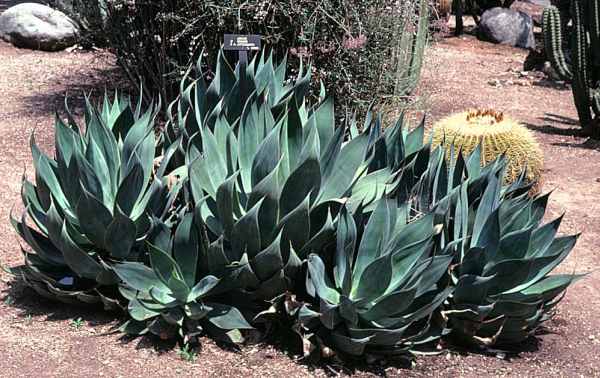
(534, 9)
(507, 26)
(36, 26)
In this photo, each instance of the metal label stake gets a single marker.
(242, 44)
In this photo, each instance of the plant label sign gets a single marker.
(242, 44)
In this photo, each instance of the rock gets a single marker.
(542, 3)
(531, 9)
(37, 27)
(507, 26)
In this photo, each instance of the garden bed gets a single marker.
(459, 73)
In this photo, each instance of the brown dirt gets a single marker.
(38, 337)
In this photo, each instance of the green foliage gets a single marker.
(377, 43)
(77, 323)
(268, 175)
(582, 66)
(187, 353)
(386, 246)
(503, 256)
(380, 296)
(90, 15)
(91, 204)
(503, 287)
(176, 294)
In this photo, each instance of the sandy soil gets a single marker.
(39, 338)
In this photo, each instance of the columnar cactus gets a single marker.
(581, 65)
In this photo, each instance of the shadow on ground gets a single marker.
(29, 303)
(94, 83)
(553, 124)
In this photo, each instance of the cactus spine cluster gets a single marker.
(498, 135)
(582, 66)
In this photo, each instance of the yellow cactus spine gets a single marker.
(497, 134)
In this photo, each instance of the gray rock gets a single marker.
(543, 3)
(535, 11)
(507, 26)
(38, 27)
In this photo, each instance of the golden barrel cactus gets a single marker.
(498, 134)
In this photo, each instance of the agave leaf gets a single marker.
(246, 237)
(426, 305)
(550, 286)
(227, 317)
(344, 255)
(105, 151)
(296, 225)
(432, 275)
(216, 259)
(185, 249)
(267, 191)
(228, 203)
(542, 238)
(321, 239)
(77, 259)
(248, 143)
(120, 235)
(303, 181)
(324, 119)
(488, 237)
(203, 288)
(375, 235)
(408, 263)
(38, 242)
(390, 304)
(557, 252)
(269, 261)
(354, 347)
(139, 312)
(216, 164)
(473, 289)
(414, 139)
(473, 262)
(348, 310)
(374, 280)
(349, 160)
(44, 169)
(330, 153)
(137, 140)
(487, 206)
(267, 157)
(473, 163)
(324, 288)
(371, 188)
(66, 141)
(169, 272)
(130, 189)
(138, 276)
(122, 124)
(538, 209)
(95, 217)
(329, 314)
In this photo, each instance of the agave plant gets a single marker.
(200, 105)
(177, 294)
(504, 289)
(272, 173)
(380, 290)
(91, 203)
(503, 256)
